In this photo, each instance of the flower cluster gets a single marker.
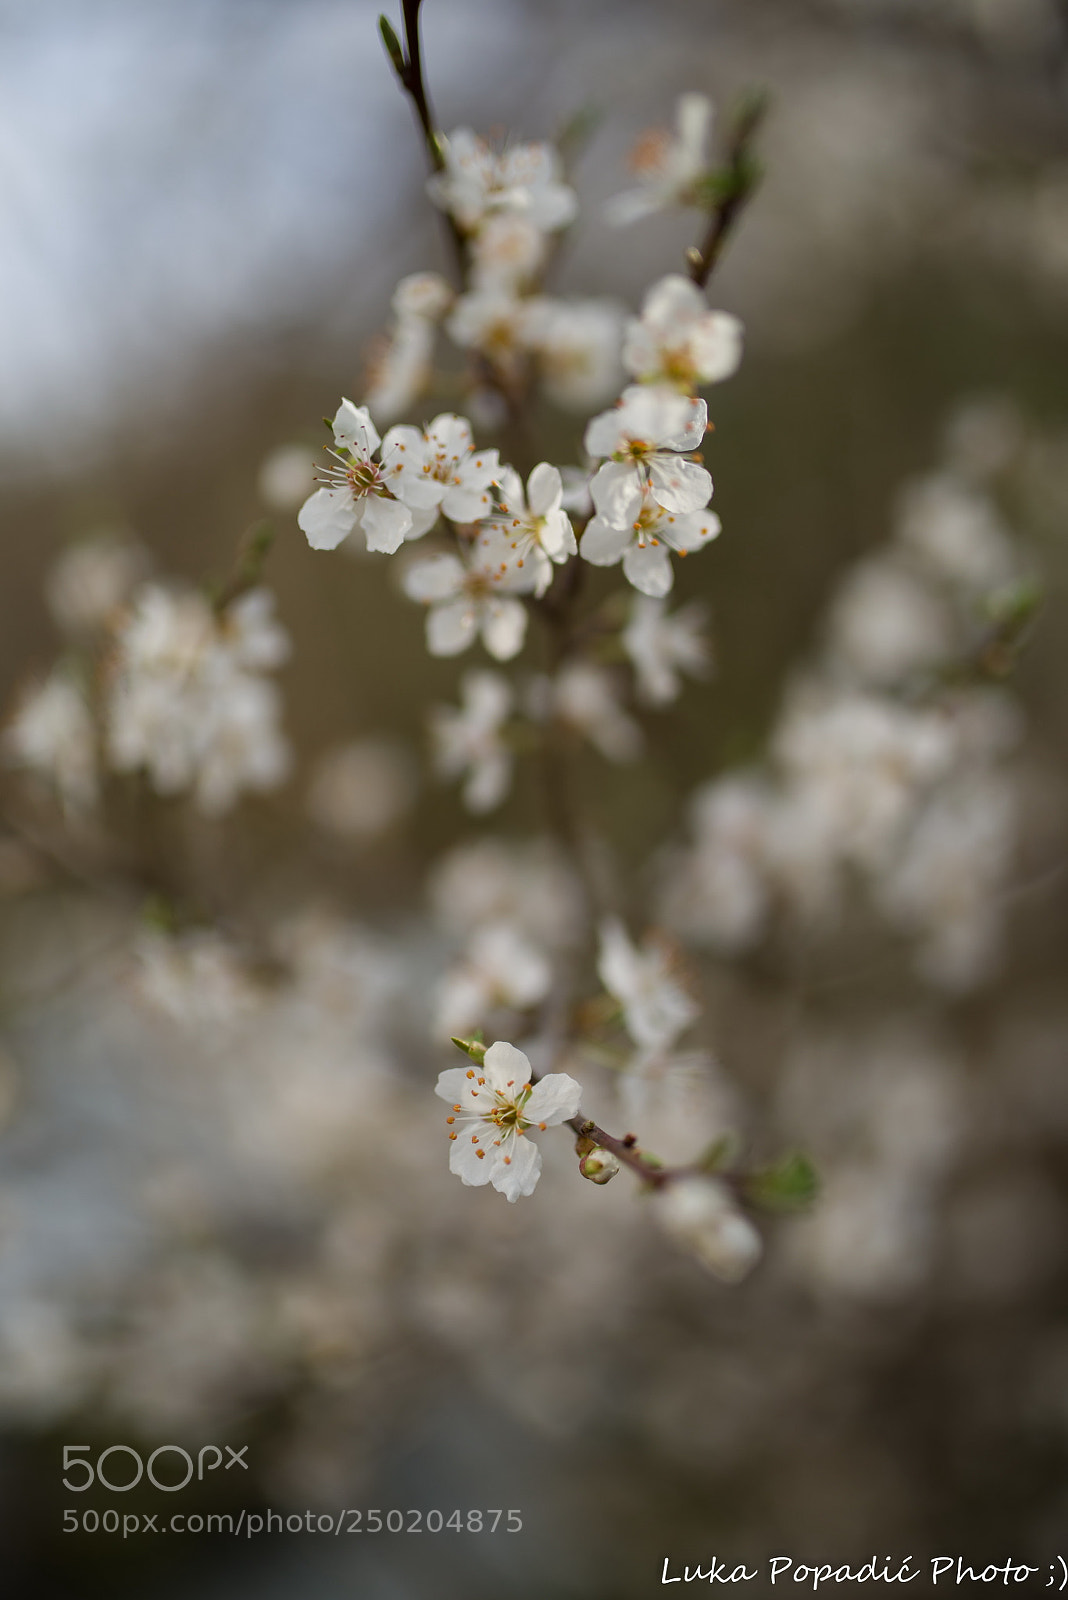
(189, 701)
(888, 764)
(157, 679)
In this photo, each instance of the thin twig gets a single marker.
(408, 66)
(737, 184)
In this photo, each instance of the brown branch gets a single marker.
(408, 65)
(734, 186)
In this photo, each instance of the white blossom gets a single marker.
(718, 893)
(359, 492)
(497, 880)
(863, 763)
(668, 167)
(399, 367)
(91, 580)
(400, 363)
(51, 734)
(502, 968)
(661, 646)
(467, 741)
(535, 525)
(956, 532)
(699, 1213)
(644, 436)
(437, 469)
(492, 321)
(885, 624)
(494, 1108)
(188, 701)
(644, 545)
(472, 595)
(945, 884)
(197, 978)
(656, 1008)
(478, 181)
(576, 344)
(677, 340)
(507, 252)
(586, 697)
(426, 295)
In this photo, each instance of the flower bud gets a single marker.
(599, 1165)
(473, 1048)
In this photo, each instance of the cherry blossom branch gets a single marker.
(407, 62)
(731, 188)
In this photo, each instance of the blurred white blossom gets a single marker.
(668, 166)
(51, 734)
(677, 340)
(468, 742)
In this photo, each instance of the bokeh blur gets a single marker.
(225, 1210)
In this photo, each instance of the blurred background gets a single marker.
(225, 1215)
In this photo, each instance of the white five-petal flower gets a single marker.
(642, 436)
(494, 1108)
(537, 528)
(359, 492)
(472, 595)
(677, 340)
(643, 545)
(438, 469)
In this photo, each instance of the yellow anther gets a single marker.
(450, 1119)
(470, 1072)
(452, 1136)
(482, 1155)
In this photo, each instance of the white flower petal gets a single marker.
(679, 485)
(648, 568)
(506, 1066)
(555, 1098)
(544, 489)
(327, 517)
(451, 627)
(517, 1172)
(694, 531)
(603, 544)
(384, 522)
(451, 1084)
(464, 1159)
(436, 578)
(354, 430)
(504, 627)
(618, 493)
